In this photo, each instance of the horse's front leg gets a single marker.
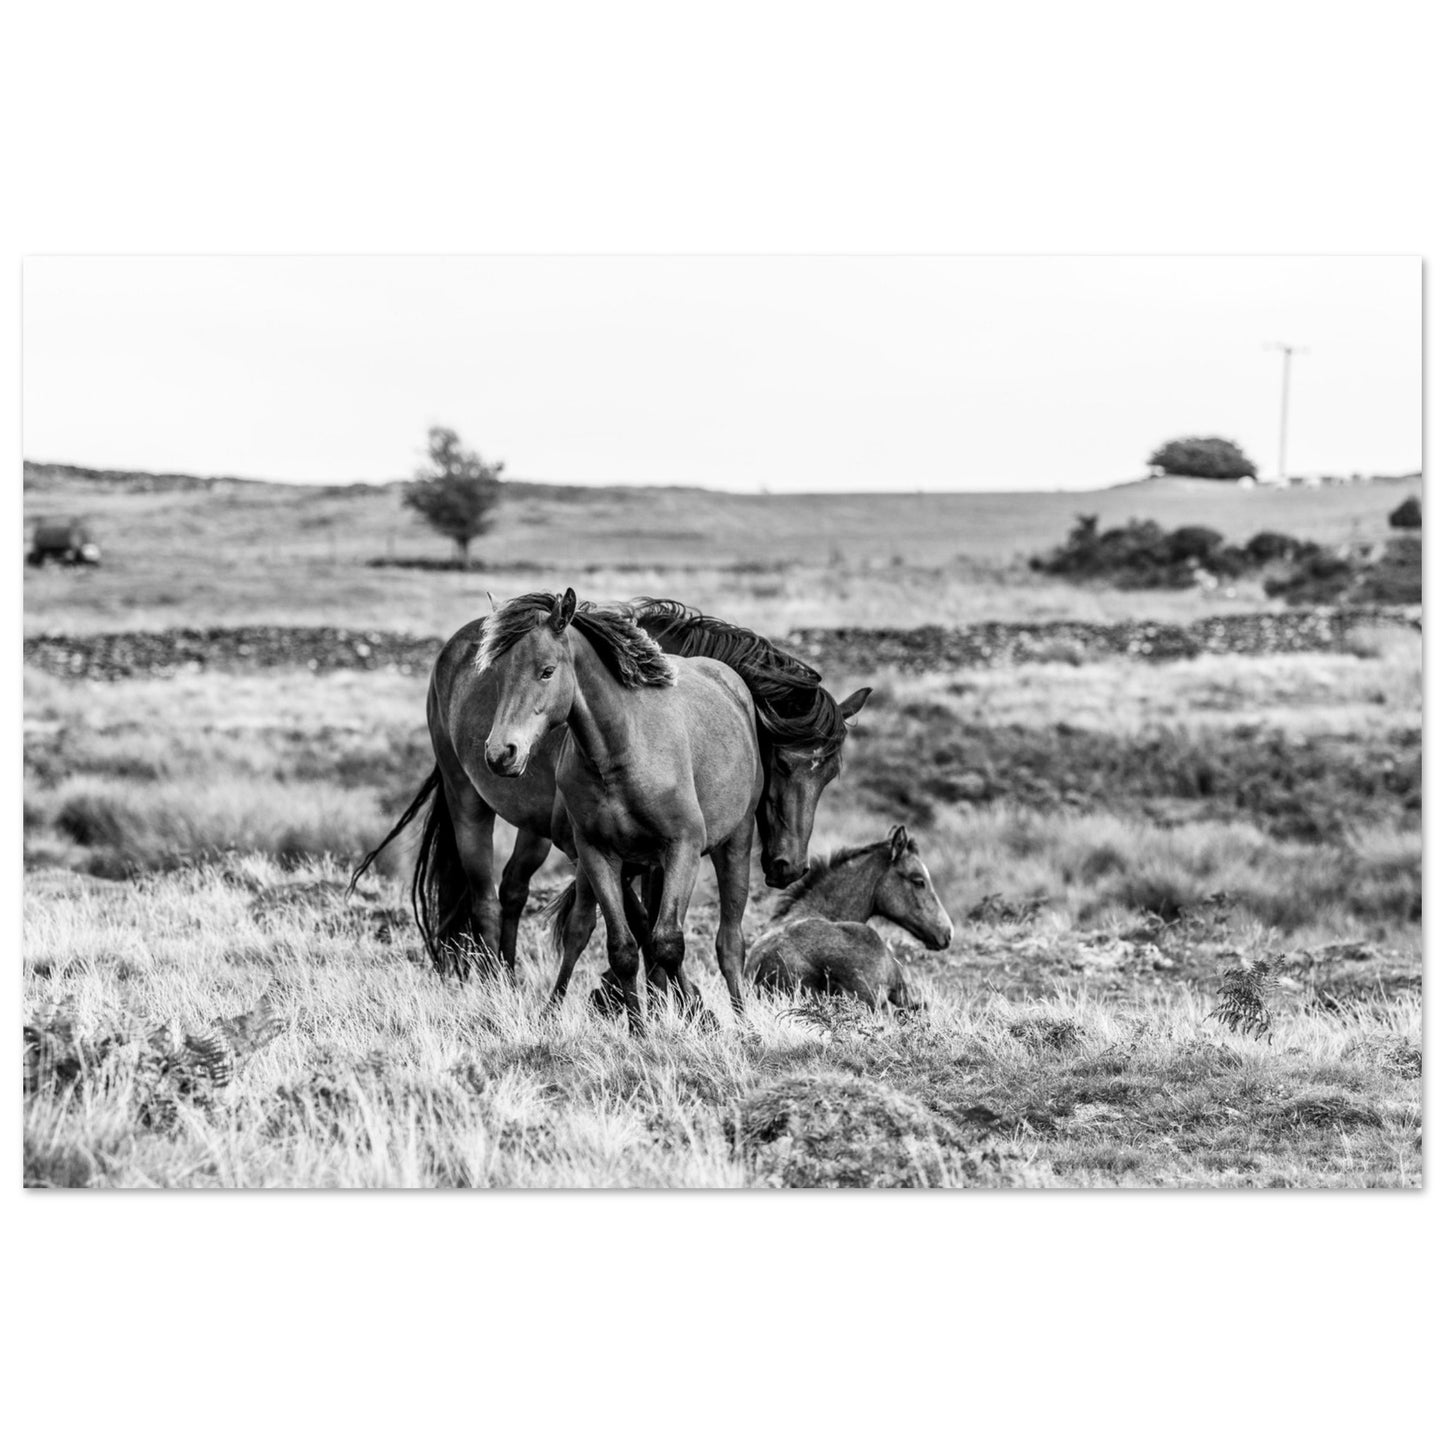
(528, 854)
(604, 874)
(669, 938)
(732, 862)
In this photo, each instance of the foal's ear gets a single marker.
(899, 843)
(562, 612)
(853, 703)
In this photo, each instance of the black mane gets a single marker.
(794, 709)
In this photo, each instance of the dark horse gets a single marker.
(800, 729)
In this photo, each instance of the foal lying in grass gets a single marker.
(820, 939)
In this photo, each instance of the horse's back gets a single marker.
(819, 955)
(721, 724)
(703, 681)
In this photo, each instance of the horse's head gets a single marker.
(532, 667)
(796, 780)
(905, 894)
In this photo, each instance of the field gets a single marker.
(1110, 836)
(248, 552)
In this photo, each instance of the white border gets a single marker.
(161, 128)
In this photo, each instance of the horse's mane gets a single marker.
(630, 655)
(794, 709)
(818, 869)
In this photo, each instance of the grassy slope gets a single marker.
(255, 552)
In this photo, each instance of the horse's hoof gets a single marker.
(607, 1001)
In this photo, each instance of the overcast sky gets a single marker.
(785, 373)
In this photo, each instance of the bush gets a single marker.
(1270, 547)
(1142, 554)
(1213, 458)
(1318, 577)
(1396, 578)
(1407, 514)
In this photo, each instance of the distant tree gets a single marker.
(457, 491)
(1407, 514)
(1209, 457)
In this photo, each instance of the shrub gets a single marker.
(1141, 554)
(1213, 458)
(1270, 547)
(1407, 514)
(1318, 576)
(1395, 580)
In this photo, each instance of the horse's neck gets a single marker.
(599, 719)
(845, 893)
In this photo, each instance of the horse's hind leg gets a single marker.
(622, 948)
(576, 932)
(471, 819)
(732, 861)
(528, 855)
(607, 996)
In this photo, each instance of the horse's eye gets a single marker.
(546, 673)
(916, 882)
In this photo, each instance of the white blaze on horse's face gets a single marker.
(535, 682)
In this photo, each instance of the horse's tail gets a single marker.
(558, 914)
(440, 892)
(414, 807)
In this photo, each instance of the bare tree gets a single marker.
(457, 492)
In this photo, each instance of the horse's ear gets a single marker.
(899, 843)
(562, 612)
(853, 703)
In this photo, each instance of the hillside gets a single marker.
(186, 551)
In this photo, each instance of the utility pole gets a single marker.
(1288, 351)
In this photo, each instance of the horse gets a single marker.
(461, 914)
(659, 766)
(800, 726)
(820, 940)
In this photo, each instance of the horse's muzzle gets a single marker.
(506, 761)
(779, 873)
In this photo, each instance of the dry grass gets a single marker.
(383, 1075)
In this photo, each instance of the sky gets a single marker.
(747, 373)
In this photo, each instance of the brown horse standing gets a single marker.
(659, 767)
(460, 911)
(820, 939)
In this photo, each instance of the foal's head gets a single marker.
(905, 894)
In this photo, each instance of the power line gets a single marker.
(1289, 351)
